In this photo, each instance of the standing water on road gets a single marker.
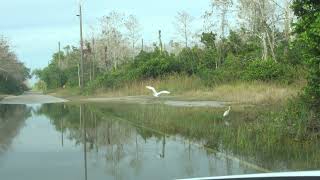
(130, 141)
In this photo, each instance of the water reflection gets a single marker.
(118, 141)
(125, 148)
(84, 143)
(12, 118)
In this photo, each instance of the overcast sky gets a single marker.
(34, 27)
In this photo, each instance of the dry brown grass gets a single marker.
(193, 88)
(247, 92)
(176, 84)
(184, 87)
(65, 93)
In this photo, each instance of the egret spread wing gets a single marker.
(226, 113)
(164, 92)
(152, 89)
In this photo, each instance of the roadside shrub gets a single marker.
(297, 120)
(230, 71)
(72, 77)
(141, 58)
(207, 60)
(158, 66)
(189, 59)
(41, 85)
(113, 79)
(268, 71)
(9, 85)
(206, 75)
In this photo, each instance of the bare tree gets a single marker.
(113, 30)
(218, 13)
(208, 23)
(184, 26)
(10, 66)
(223, 7)
(133, 27)
(288, 18)
(174, 47)
(260, 17)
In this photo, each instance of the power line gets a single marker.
(278, 4)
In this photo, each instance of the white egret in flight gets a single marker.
(155, 93)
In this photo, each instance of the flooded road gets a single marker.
(132, 141)
(31, 98)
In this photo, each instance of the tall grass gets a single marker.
(192, 87)
(177, 84)
(73, 92)
(248, 92)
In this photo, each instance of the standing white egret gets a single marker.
(226, 113)
(155, 93)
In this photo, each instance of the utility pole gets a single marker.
(59, 58)
(94, 57)
(105, 55)
(62, 132)
(81, 48)
(59, 63)
(160, 41)
(142, 44)
(85, 149)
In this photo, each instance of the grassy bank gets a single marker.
(2, 96)
(193, 88)
(69, 93)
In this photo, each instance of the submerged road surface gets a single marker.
(31, 98)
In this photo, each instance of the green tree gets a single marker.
(307, 29)
(208, 39)
(189, 58)
(52, 75)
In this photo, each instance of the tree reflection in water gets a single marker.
(12, 119)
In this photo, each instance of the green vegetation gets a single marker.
(260, 62)
(260, 50)
(12, 72)
(307, 29)
(159, 64)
